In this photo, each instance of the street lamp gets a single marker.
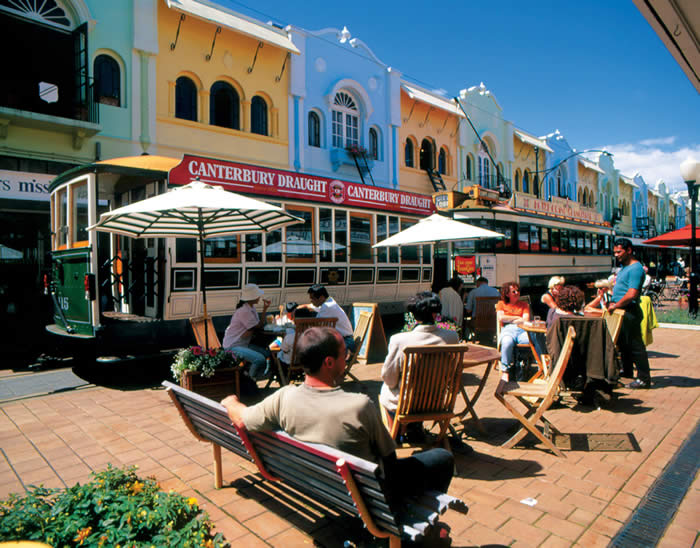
(690, 171)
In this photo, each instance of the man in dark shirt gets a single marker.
(626, 293)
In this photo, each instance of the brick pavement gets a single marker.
(583, 500)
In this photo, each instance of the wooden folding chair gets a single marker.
(431, 377)
(360, 334)
(483, 321)
(300, 325)
(614, 323)
(199, 324)
(537, 398)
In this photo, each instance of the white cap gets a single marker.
(251, 292)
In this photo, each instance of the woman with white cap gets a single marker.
(244, 322)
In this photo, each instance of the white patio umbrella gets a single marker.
(435, 229)
(196, 210)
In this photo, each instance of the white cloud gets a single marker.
(653, 159)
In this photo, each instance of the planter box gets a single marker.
(224, 383)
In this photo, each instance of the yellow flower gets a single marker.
(136, 487)
(191, 501)
(209, 544)
(82, 535)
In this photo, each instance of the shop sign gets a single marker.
(277, 183)
(20, 185)
(557, 206)
(465, 265)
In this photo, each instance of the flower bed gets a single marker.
(115, 508)
(204, 362)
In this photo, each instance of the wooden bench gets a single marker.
(348, 484)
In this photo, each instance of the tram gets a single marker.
(543, 238)
(116, 296)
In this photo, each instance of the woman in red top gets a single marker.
(510, 311)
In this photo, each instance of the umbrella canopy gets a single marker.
(196, 210)
(677, 237)
(437, 228)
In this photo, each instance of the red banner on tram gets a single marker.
(251, 179)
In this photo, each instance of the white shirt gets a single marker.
(286, 346)
(331, 309)
(243, 319)
(452, 305)
(484, 290)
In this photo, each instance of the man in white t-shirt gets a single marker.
(326, 307)
(451, 300)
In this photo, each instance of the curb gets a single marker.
(680, 326)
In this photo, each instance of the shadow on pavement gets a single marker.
(132, 375)
(654, 354)
(674, 380)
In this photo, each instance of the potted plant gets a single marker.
(355, 150)
(194, 367)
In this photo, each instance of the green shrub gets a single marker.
(115, 508)
(676, 315)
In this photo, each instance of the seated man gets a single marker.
(319, 411)
(451, 300)
(482, 289)
(325, 307)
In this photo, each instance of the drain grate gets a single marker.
(655, 511)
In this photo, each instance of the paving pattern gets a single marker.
(583, 500)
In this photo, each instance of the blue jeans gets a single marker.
(511, 336)
(257, 357)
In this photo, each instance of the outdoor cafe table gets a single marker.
(593, 354)
(475, 356)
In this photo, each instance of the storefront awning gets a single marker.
(236, 22)
(438, 102)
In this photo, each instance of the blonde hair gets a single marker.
(556, 280)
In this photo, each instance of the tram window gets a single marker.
(79, 198)
(333, 276)
(427, 254)
(222, 279)
(589, 248)
(556, 241)
(409, 253)
(360, 238)
(183, 279)
(487, 245)
(534, 238)
(325, 231)
(387, 275)
(410, 274)
(361, 275)
(523, 237)
(62, 228)
(300, 276)
(253, 248)
(544, 239)
(269, 277)
(185, 250)
(393, 229)
(427, 275)
(273, 246)
(300, 237)
(579, 242)
(220, 250)
(382, 252)
(564, 241)
(341, 236)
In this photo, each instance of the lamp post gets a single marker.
(690, 171)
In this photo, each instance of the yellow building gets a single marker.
(588, 173)
(652, 207)
(428, 138)
(529, 160)
(626, 193)
(221, 85)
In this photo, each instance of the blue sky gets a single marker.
(600, 75)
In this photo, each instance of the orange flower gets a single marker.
(82, 535)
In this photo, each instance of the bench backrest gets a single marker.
(315, 470)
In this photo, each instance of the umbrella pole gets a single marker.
(204, 291)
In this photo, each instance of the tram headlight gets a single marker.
(46, 284)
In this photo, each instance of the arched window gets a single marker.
(560, 185)
(107, 80)
(224, 106)
(408, 153)
(258, 116)
(185, 99)
(314, 130)
(517, 180)
(346, 121)
(427, 155)
(470, 168)
(442, 162)
(484, 167)
(373, 144)
(526, 181)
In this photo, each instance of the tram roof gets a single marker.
(133, 165)
(462, 213)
